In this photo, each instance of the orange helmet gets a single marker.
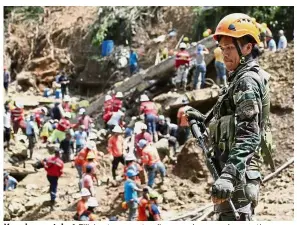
(237, 25)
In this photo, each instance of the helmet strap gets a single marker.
(241, 57)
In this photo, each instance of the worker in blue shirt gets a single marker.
(30, 132)
(282, 42)
(133, 62)
(10, 182)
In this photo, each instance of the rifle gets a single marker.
(195, 128)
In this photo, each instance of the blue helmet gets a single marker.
(131, 173)
(142, 143)
(200, 47)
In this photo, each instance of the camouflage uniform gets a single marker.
(235, 134)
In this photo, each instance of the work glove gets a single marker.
(223, 188)
(192, 113)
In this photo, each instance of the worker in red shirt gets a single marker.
(116, 147)
(39, 115)
(63, 126)
(182, 63)
(108, 104)
(150, 111)
(66, 105)
(17, 117)
(143, 135)
(54, 168)
(81, 158)
(117, 102)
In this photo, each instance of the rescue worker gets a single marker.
(85, 120)
(130, 164)
(66, 104)
(163, 131)
(153, 212)
(46, 130)
(246, 101)
(56, 112)
(63, 126)
(107, 108)
(89, 214)
(183, 124)
(82, 205)
(6, 79)
(116, 149)
(143, 135)
(17, 117)
(282, 43)
(116, 119)
(199, 79)
(91, 160)
(31, 133)
(186, 40)
(151, 160)
(54, 168)
(142, 205)
(87, 180)
(172, 126)
(117, 102)
(271, 43)
(40, 115)
(7, 125)
(10, 183)
(130, 194)
(150, 111)
(68, 148)
(220, 66)
(164, 53)
(63, 80)
(133, 62)
(80, 137)
(81, 157)
(182, 64)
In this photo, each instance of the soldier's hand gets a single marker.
(223, 188)
(192, 113)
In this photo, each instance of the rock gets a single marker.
(170, 196)
(163, 188)
(163, 148)
(190, 163)
(26, 79)
(76, 196)
(16, 208)
(31, 186)
(7, 216)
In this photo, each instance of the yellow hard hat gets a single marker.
(186, 39)
(91, 155)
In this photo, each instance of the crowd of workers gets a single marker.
(130, 143)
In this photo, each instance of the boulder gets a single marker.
(170, 196)
(36, 202)
(26, 79)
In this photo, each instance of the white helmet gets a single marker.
(117, 129)
(44, 109)
(81, 111)
(67, 115)
(119, 95)
(85, 192)
(130, 157)
(161, 117)
(144, 98)
(91, 145)
(183, 45)
(281, 32)
(92, 202)
(66, 98)
(143, 126)
(107, 97)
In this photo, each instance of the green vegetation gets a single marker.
(276, 17)
(27, 12)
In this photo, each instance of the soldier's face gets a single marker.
(231, 57)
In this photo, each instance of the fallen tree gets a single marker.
(161, 71)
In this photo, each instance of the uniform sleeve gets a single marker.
(155, 210)
(247, 131)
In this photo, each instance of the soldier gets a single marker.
(240, 120)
